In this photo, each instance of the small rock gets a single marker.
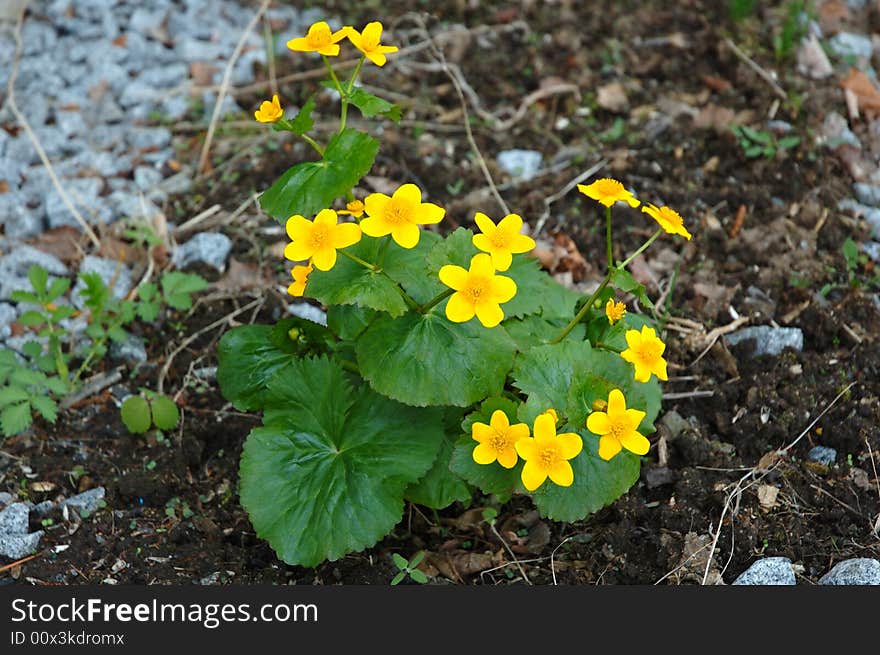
(812, 60)
(154, 138)
(836, 131)
(14, 519)
(675, 424)
(7, 316)
(17, 546)
(768, 571)
(6, 498)
(867, 193)
(14, 268)
(520, 163)
(308, 312)
(147, 178)
(846, 44)
(858, 571)
(822, 455)
(88, 501)
(768, 340)
(612, 97)
(210, 248)
(872, 250)
(44, 507)
(657, 476)
(131, 350)
(870, 214)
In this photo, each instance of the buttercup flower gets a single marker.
(319, 39)
(547, 454)
(607, 191)
(497, 440)
(354, 208)
(501, 241)
(645, 353)
(300, 276)
(400, 215)
(618, 428)
(668, 219)
(319, 239)
(477, 291)
(368, 43)
(270, 111)
(614, 311)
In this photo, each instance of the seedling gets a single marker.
(758, 143)
(408, 568)
(140, 413)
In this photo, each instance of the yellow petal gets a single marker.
(481, 265)
(526, 448)
(499, 420)
(459, 309)
(409, 193)
(484, 454)
(642, 372)
(562, 474)
(545, 427)
(533, 476)
(387, 48)
(616, 403)
(454, 277)
(299, 44)
(428, 213)
(507, 458)
(480, 431)
(296, 289)
(635, 417)
(375, 226)
(659, 369)
(608, 447)
(633, 338)
(340, 34)
(326, 217)
(518, 431)
(521, 243)
(501, 260)
(298, 251)
(503, 288)
(346, 234)
(484, 223)
(598, 423)
(375, 204)
(376, 57)
(329, 50)
(406, 235)
(324, 259)
(489, 313)
(511, 223)
(570, 443)
(298, 227)
(635, 443)
(481, 242)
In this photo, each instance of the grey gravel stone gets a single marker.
(131, 350)
(109, 270)
(847, 44)
(872, 249)
(165, 76)
(768, 571)
(822, 455)
(7, 316)
(210, 248)
(19, 220)
(16, 546)
(308, 311)
(870, 214)
(84, 195)
(768, 340)
(835, 131)
(147, 178)
(14, 268)
(859, 571)
(867, 193)
(14, 519)
(6, 498)
(88, 501)
(148, 137)
(520, 163)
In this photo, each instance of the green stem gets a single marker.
(357, 71)
(313, 143)
(580, 315)
(360, 261)
(435, 300)
(643, 247)
(343, 96)
(55, 345)
(608, 237)
(382, 250)
(605, 346)
(348, 366)
(412, 304)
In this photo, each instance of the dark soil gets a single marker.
(173, 514)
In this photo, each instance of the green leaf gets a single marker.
(117, 334)
(303, 122)
(536, 330)
(148, 311)
(596, 482)
(47, 407)
(416, 559)
(309, 187)
(15, 419)
(31, 318)
(371, 105)
(247, 360)
(96, 294)
(56, 385)
(32, 349)
(39, 278)
(135, 412)
(409, 267)
(440, 487)
(545, 374)
(165, 413)
(62, 312)
(350, 283)
(178, 288)
(349, 321)
(397, 579)
(326, 474)
(8, 364)
(623, 280)
(24, 297)
(424, 359)
(490, 478)
(147, 291)
(614, 336)
(418, 576)
(399, 561)
(57, 288)
(754, 151)
(9, 395)
(787, 142)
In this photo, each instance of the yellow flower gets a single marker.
(645, 353)
(547, 454)
(368, 43)
(501, 241)
(319, 39)
(477, 291)
(618, 428)
(319, 239)
(400, 215)
(668, 219)
(497, 440)
(607, 191)
(270, 111)
(300, 276)
(354, 208)
(614, 311)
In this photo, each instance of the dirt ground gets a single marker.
(657, 90)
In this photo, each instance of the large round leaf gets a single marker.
(326, 474)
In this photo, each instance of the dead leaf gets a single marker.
(867, 94)
(202, 73)
(767, 494)
(768, 460)
(4, 186)
(63, 242)
(716, 117)
(42, 486)
(860, 478)
(812, 60)
(241, 276)
(716, 83)
(612, 97)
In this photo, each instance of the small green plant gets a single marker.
(178, 510)
(741, 9)
(855, 261)
(758, 143)
(149, 409)
(51, 365)
(794, 28)
(408, 568)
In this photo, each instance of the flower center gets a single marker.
(617, 428)
(320, 236)
(648, 352)
(671, 216)
(548, 457)
(500, 239)
(398, 212)
(499, 442)
(370, 41)
(609, 187)
(477, 288)
(318, 36)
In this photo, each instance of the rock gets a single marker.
(109, 271)
(822, 455)
(6, 498)
(870, 214)
(131, 350)
(520, 163)
(812, 60)
(147, 178)
(15, 542)
(859, 571)
(868, 194)
(88, 501)
(674, 424)
(14, 268)
(847, 44)
(308, 312)
(19, 220)
(144, 138)
(83, 193)
(165, 76)
(872, 250)
(657, 476)
(612, 97)
(768, 340)
(7, 316)
(14, 519)
(210, 248)
(768, 571)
